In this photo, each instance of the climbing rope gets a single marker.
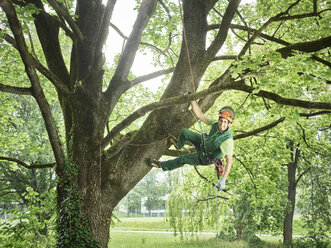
(186, 46)
(216, 220)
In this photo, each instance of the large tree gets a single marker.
(104, 166)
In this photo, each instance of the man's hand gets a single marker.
(198, 113)
(221, 184)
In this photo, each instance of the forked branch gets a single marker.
(61, 11)
(42, 69)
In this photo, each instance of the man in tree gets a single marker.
(210, 148)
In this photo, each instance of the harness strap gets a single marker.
(219, 167)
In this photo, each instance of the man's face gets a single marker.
(223, 124)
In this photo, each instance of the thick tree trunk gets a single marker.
(86, 139)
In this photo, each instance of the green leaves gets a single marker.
(29, 227)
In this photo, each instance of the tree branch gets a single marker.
(304, 136)
(322, 61)
(226, 57)
(42, 69)
(251, 30)
(15, 90)
(278, 17)
(223, 29)
(118, 31)
(251, 176)
(280, 41)
(301, 175)
(28, 166)
(239, 85)
(308, 47)
(7, 193)
(61, 11)
(314, 114)
(51, 77)
(165, 8)
(259, 130)
(141, 43)
(126, 60)
(151, 76)
(108, 11)
(258, 33)
(212, 198)
(204, 178)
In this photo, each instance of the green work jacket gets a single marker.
(212, 142)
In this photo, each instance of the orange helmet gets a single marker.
(227, 113)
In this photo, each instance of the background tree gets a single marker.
(95, 167)
(154, 190)
(27, 193)
(148, 193)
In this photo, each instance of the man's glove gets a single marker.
(221, 184)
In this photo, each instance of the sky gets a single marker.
(123, 18)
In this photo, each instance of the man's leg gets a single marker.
(188, 135)
(191, 159)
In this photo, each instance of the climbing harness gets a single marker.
(218, 163)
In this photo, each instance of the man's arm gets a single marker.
(228, 163)
(198, 113)
(221, 184)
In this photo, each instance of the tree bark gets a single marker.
(291, 194)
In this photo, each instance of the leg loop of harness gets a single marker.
(219, 168)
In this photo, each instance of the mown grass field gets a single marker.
(167, 240)
(161, 224)
(122, 237)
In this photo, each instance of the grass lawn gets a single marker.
(166, 240)
(161, 224)
(143, 224)
(121, 237)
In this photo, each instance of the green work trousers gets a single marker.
(191, 159)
